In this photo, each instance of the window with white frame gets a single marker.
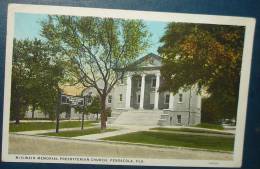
(121, 80)
(138, 98)
(167, 99)
(109, 100)
(139, 83)
(152, 97)
(179, 119)
(180, 97)
(88, 98)
(153, 82)
(120, 97)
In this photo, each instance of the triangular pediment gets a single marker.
(148, 61)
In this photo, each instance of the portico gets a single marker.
(142, 91)
(135, 99)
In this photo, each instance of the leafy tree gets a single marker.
(208, 56)
(209, 111)
(18, 99)
(83, 111)
(35, 78)
(97, 49)
(95, 106)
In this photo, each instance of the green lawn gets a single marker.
(29, 126)
(74, 133)
(190, 130)
(173, 139)
(210, 126)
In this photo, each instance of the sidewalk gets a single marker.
(122, 129)
(105, 134)
(37, 132)
(29, 121)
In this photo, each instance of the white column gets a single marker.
(171, 101)
(142, 92)
(128, 91)
(199, 101)
(156, 94)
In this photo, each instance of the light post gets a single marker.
(59, 102)
(189, 107)
(87, 102)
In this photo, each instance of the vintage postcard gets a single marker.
(121, 87)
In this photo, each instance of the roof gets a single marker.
(72, 90)
(149, 61)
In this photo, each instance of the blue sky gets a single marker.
(27, 26)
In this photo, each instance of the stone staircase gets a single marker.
(164, 119)
(137, 117)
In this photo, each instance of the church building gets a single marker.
(136, 99)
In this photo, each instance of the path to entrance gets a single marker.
(121, 129)
(35, 145)
(125, 129)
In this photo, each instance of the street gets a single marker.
(37, 145)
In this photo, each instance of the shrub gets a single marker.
(210, 126)
(108, 111)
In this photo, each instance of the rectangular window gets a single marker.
(180, 98)
(64, 100)
(152, 97)
(138, 98)
(109, 100)
(139, 83)
(167, 99)
(120, 97)
(153, 82)
(121, 80)
(179, 119)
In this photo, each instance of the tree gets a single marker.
(95, 106)
(35, 78)
(209, 111)
(97, 49)
(83, 110)
(208, 56)
(18, 99)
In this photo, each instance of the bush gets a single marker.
(108, 111)
(210, 126)
(36, 119)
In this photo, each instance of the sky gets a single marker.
(27, 26)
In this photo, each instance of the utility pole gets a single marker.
(58, 111)
(82, 121)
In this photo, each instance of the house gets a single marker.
(136, 100)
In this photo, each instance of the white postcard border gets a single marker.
(249, 24)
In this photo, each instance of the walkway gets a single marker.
(195, 134)
(123, 129)
(37, 132)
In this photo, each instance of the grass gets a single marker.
(189, 130)
(30, 126)
(210, 126)
(75, 133)
(173, 139)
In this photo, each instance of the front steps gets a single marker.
(137, 117)
(164, 119)
(114, 116)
